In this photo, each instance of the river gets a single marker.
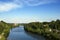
(18, 33)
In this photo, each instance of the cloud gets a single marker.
(13, 4)
(20, 20)
(36, 2)
(8, 6)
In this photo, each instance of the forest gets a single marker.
(5, 29)
(49, 30)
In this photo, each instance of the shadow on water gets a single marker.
(38, 37)
(19, 33)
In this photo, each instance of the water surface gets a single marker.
(18, 33)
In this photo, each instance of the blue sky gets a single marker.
(24, 11)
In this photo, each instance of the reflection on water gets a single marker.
(18, 33)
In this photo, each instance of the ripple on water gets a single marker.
(19, 34)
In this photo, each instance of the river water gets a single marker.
(18, 33)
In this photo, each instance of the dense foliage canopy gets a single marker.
(50, 30)
(5, 29)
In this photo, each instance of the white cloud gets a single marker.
(19, 20)
(5, 6)
(36, 2)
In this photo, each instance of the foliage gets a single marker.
(5, 29)
(50, 30)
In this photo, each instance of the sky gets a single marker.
(25, 11)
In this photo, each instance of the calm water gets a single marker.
(18, 33)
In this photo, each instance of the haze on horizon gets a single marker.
(25, 11)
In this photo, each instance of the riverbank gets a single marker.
(50, 30)
(5, 30)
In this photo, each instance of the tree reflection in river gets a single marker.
(18, 33)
